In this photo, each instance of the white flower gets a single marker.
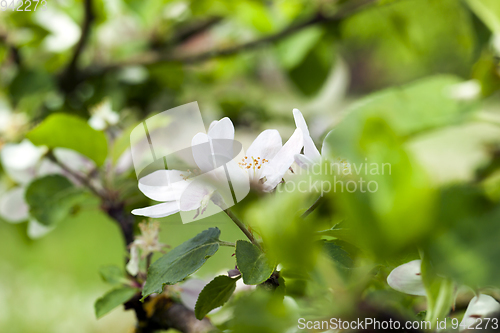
(407, 279)
(11, 123)
(265, 163)
(103, 116)
(173, 186)
(267, 160)
(481, 306)
(465, 91)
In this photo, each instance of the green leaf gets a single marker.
(182, 261)
(52, 198)
(67, 131)
(112, 274)
(112, 299)
(252, 263)
(214, 294)
(337, 254)
(440, 293)
(488, 11)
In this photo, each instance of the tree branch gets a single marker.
(319, 18)
(69, 79)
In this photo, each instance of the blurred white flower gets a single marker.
(64, 31)
(11, 123)
(407, 279)
(23, 162)
(481, 306)
(103, 116)
(465, 91)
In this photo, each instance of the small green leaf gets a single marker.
(337, 254)
(252, 263)
(112, 274)
(182, 261)
(112, 299)
(51, 199)
(67, 131)
(214, 294)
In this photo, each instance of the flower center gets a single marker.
(252, 163)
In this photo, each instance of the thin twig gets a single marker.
(315, 205)
(84, 180)
(242, 227)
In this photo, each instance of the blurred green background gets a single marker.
(141, 56)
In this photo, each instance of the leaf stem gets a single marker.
(315, 205)
(242, 227)
(224, 243)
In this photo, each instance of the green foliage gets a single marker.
(112, 274)
(112, 299)
(67, 131)
(440, 293)
(261, 312)
(181, 261)
(253, 264)
(52, 198)
(216, 293)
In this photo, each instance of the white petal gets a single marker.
(133, 264)
(326, 151)
(407, 279)
(157, 211)
(194, 195)
(303, 161)
(97, 123)
(202, 152)
(280, 163)
(37, 230)
(223, 129)
(300, 122)
(266, 145)
(13, 207)
(164, 185)
(21, 156)
(482, 306)
(310, 149)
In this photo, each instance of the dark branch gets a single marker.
(69, 78)
(319, 18)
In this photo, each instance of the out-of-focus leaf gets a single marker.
(262, 312)
(293, 50)
(52, 198)
(488, 11)
(318, 60)
(112, 274)
(216, 293)
(30, 82)
(253, 264)
(466, 250)
(67, 131)
(440, 293)
(289, 240)
(182, 261)
(337, 254)
(113, 299)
